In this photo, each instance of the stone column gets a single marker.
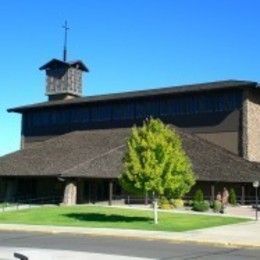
(70, 193)
(250, 125)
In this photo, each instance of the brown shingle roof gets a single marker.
(59, 154)
(208, 86)
(98, 153)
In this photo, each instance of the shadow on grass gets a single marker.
(105, 218)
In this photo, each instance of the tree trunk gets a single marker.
(155, 211)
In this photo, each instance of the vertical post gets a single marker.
(155, 211)
(242, 195)
(256, 203)
(146, 198)
(110, 192)
(212, 191)
(89, 192)
(95, 187)
(256, 185)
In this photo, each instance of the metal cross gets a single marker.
(66, 28)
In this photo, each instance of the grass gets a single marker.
(104, 217)
(6, 204)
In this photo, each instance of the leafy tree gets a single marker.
(155, 163)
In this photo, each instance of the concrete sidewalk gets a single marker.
(238, 212)
(243, 234)
(16, 208)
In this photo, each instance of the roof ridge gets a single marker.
(176, 89)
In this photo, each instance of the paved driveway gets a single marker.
(7, 253)
(92, 247)
(242, 211)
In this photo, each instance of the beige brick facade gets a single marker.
(251, 126)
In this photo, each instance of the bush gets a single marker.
(198, 196)
(166, 206)
(200, 206)
(217, 206)
(177, 203)
(232, 197)
(164, 203)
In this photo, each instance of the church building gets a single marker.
(72, 146)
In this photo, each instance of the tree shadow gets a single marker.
(105, 218)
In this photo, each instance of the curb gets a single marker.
(128, 233)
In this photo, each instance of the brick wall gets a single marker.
(251, 125)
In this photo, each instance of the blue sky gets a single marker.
(127, 45)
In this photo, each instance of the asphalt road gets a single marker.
(125, 247)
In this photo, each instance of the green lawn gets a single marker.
(94, 216)
(6, 204)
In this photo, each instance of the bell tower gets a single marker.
(64, 79)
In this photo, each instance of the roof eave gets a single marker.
(142, 93)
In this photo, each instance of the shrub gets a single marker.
(198, 196)
(200, 206)
(232, 197)
(177, 203)
(217, 206)
(164, 203)
(166, 206)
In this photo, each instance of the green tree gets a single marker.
(232, 197)
(155, 163)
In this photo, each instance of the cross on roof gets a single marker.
(66, 28)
